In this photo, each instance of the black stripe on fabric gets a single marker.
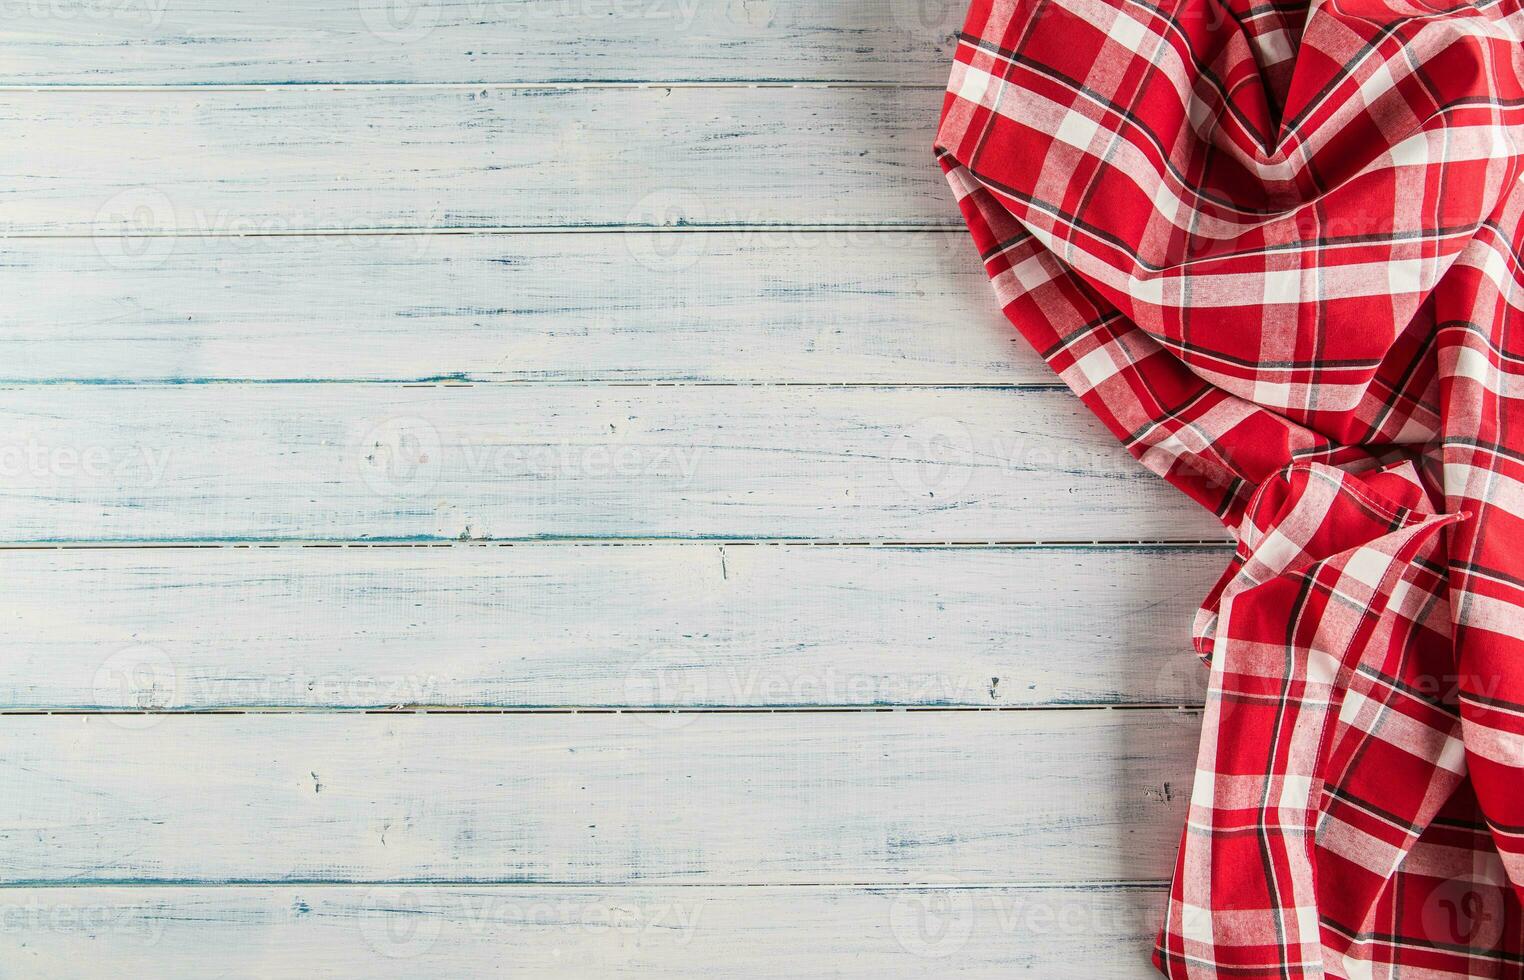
(1345, 74)
(1006, 245)
(1487, 701)
(1415, 942)
(1396, 684)
(1169, 415)
(1489, 572)
(1482, 446)
(1073, 221)
(1278, 733)
(1041, 68)
(1397, 391)
(1078, 332)
(1349, 799)
(1511, 830)
(1475, 329)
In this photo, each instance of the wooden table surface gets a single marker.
(542, 488)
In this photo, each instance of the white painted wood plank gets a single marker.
(138, 42)
(753, 305)
(287, 159)
(855, 797)
(347, 461)
(275, 932)
(655, 625)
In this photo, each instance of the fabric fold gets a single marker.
(1276, 250)
(1322, 732)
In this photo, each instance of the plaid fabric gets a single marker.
(1275, 247)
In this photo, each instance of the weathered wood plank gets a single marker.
(137, 42)
(385, 932)
(289, 159)
(753, 305)
(855, 797)
(657, 625)
(349, 461)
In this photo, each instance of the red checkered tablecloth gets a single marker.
(1275, 247)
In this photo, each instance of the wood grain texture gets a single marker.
(670, 276)
(352, 461)
(757, 305)
(193, 42)
(400, 933)
(662, 625)
(856, 797)
(280, 160)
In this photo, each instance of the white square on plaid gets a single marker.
(1367, 565)
(1275, 551)
(1472, 363)
(1376, 83)
(1196, 923)
(1322, 667)
(1411, 152)
(1166, 201)
(1307, 923)
(1146, 290)
(1295, 791)
(1275, 46)
(1354, 704)
(1502, 143)
(1127, 32)
(1077, 130)
(1494, 266)
(1453, 756)
(1097, 366)
(1404, 275)
(1283, 286)
(975, 85)
(1203, 789)
(1275, 394)
(1033, 272)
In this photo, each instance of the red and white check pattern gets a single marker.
(1276, 248)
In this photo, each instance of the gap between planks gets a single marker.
(464, 381)
(1131, 884)
(488, 230)
(627, 84)
(1040, 386)
(825, 709)
(1215, 543)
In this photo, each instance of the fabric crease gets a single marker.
(1276, 250)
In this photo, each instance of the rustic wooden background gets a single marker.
(541, 488)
